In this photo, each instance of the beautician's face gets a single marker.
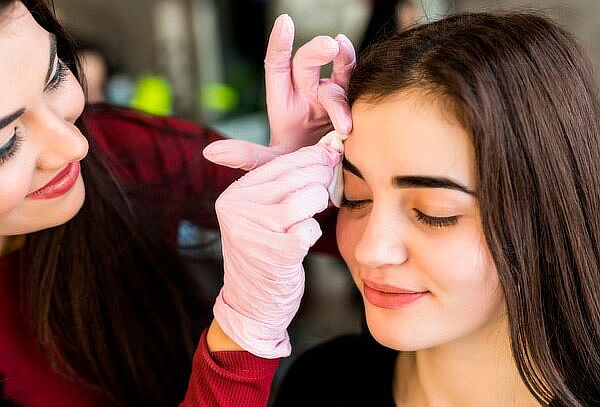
(410, 223)
(38, 139)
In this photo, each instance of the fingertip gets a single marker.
(342, 38)
(211, 150)
(282, 34)
(328, 44)
(287, 26)
(345, 128)
(347, 51)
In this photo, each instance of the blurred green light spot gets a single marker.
(152, 94)
(219, 97)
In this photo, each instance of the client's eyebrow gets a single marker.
(347, 165)
(413, 181)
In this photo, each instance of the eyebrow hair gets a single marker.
(347, 165)
(5, 121)
(414, 181)
(52, 56)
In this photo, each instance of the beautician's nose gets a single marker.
(61, 140)
(383, 240)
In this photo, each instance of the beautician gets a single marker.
(96, 307)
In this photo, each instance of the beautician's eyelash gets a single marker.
(436, 222)
(59, 77)
(11, 147)
(8, 150)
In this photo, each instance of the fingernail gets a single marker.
(332, 45)
(286, 33)
(212, 150)
(342, 38)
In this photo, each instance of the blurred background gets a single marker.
(202, 60)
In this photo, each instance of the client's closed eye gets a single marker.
(436, 222)
(355, 204)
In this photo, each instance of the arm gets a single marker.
(224, 378)
(262, 286)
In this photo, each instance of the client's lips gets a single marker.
(390, 297)
(59, 185)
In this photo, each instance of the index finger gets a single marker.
(307, 63)
(307, 156)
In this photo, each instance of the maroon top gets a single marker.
(142, 149)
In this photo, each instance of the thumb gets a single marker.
(239, 154)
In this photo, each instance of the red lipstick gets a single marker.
(389, 297)
(59, 185)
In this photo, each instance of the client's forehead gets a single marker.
(409, 133)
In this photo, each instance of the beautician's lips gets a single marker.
(389, 297)
(59, 185)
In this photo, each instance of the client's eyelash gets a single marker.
(436, 222)
(59, 77)
(433, 221)
(355, 205)
(11, 147)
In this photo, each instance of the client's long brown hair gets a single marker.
(107, 297)
(524, 89)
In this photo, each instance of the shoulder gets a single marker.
(349, 370)
(142, 147)
(104, 117)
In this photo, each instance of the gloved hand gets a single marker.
(301, 106)
(267, 227)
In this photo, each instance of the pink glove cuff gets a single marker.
(250, 334)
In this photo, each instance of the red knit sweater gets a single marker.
(142, 149)
(218, 378)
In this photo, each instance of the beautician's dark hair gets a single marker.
(524, 90)
(108, 299)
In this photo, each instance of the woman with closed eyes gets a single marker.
(96, 306)
(470, 223)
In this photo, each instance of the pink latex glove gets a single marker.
(267, 227)
(301, 106)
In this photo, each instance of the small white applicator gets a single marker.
(336, 188)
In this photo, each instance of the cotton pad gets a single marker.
(336, 188)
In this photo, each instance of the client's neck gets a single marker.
(473, 371)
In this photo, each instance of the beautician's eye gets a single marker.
(436, 222)
(355, 205)
(10, 147)
(59, 77)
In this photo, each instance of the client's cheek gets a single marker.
(348, 233)
(464, 271)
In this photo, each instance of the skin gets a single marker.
(49, 138)
(454, 339)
